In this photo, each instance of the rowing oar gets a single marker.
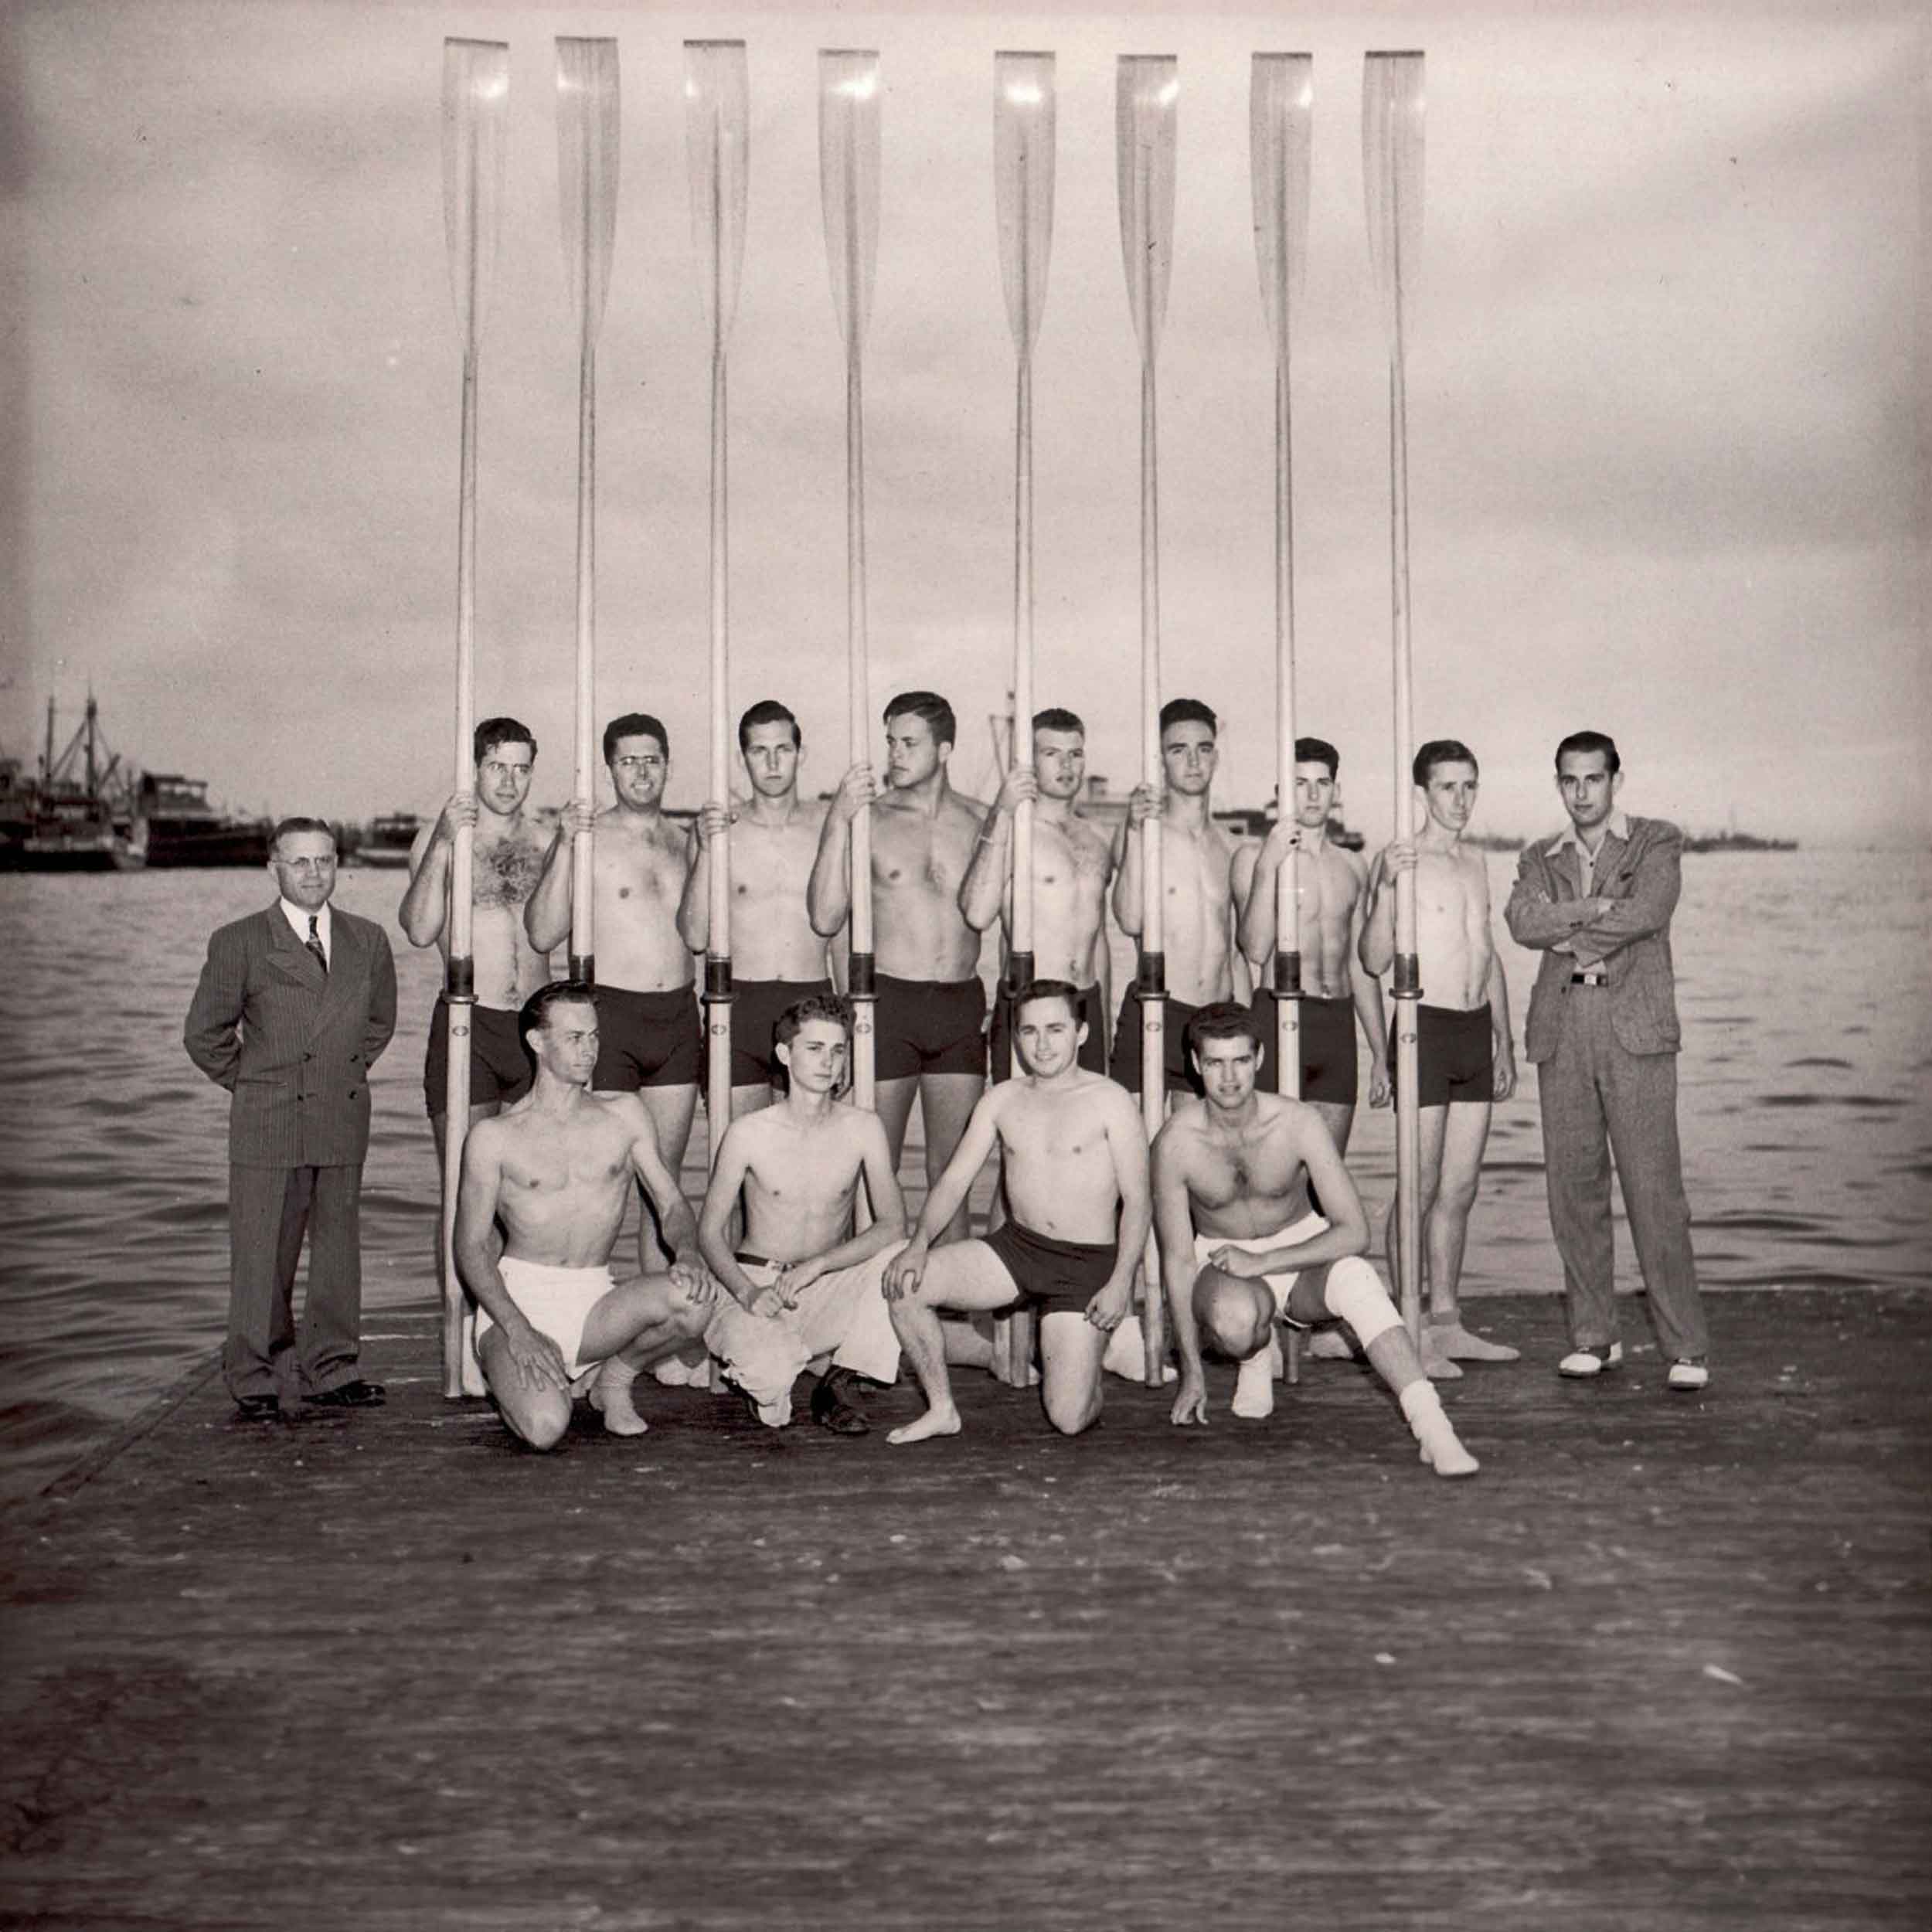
(476, 94)
(586, 139)
(717, 135)
(1023, 118)
(849, 192)
(1147, 87)
(1281, 110)
(1392, 172)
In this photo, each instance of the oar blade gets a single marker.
(1391, 104)
(1147, 87)
(476, 101)
(717, 146)
(1024, 113)
(587, 123)
(848, 116)
(1281, 119)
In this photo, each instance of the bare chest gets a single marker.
(917, 856)
(506, 872)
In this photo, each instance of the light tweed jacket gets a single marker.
(293, 1045)
(1631, 941)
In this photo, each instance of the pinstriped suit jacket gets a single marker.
(293, 1045)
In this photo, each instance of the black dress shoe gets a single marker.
(831, 1411)
(358, 1394)
(257, 1408)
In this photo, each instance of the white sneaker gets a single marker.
(1591, 1361)
(1688, 1373)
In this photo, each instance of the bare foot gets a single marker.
(1442, 1449)
(934, 1422)
(1453, 1340)
(611, 1398)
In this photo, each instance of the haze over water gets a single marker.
(1803, 979)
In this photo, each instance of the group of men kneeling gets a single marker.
(1226, 1186)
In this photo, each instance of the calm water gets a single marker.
(1804, 980)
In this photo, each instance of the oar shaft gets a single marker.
(1287, 898)
(718, 954)
(863, 961)
(1153, 983)
(582, 942)
(1407, 976)
(1022, 745)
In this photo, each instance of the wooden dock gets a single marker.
(1666, 1662)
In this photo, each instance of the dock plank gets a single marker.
(1664, 1663)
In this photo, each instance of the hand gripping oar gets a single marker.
(587, 140)
(1023, 118)
(1281, 110)
(1392, 100)
(476, 94)
(717, 136)
(848, 193)
(1146, 88)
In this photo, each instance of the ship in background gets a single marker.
(87, 810)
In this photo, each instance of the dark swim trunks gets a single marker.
(647, 1039)
(1328, 1048)
(929, 1026)
(756, 1007)
(500, 1070)
(1093, 1049)
(1124, 1065)
(1455, 1056)
(1063, 1277)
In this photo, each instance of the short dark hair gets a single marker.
(767, 711)
(1047, 989)
(1442, 751)
(1187, 711)
(1592, 741)
(831, 1006)
(1318, 751)
(299, 824)
(1058, 718)
(493, 732)
(1225, 1019)
(634, 724)
(929, 705)
(535, 1012)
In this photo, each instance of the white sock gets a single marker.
(1254, 1384)
(611, 1395)
(1429, 1423)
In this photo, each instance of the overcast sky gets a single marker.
(1668, 460)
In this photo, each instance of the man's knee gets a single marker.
(539, 1418)
(1072, 1410)
(1354, 1294)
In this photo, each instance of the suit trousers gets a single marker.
(1599, 1098)
(270, 1210)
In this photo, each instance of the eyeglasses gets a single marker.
(638, 764)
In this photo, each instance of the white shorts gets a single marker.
(1279, 1286)
(842, 1314)
(557, 1302)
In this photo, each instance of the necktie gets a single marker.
(314, 942)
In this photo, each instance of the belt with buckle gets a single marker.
(1589, 979)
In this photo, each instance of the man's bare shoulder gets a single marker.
(1183, 1131)
(1083, 835)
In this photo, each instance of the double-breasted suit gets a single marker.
(1602, 1034)
(292, 1043)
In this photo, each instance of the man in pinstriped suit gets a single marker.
(295, 1003)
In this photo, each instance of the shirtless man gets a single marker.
(1465, 1059)
(651, 1044)
(1240, 1250)
(1328, 886)
(555, 1169)
(929, 1042)
(776, 959)
(1075, 1162)
(1204, 964)
(797, 1166)
(509, 858)
(1071, 862)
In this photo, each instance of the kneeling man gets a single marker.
(1076, 1165)
(1241, 1249)
(555, 1169)
(805, 1286)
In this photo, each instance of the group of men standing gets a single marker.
(579, 1093)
